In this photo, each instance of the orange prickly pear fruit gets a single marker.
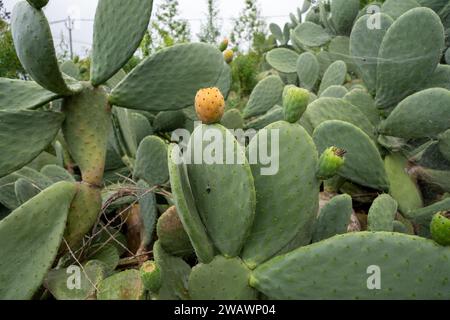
(209, 105)
(228, 55)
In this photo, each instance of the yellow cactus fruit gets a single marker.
(228, 55)
(209, 105)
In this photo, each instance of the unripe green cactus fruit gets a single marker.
(295, 101)
(171, 234)
(330, 162)
(151, 276)
(440, 228)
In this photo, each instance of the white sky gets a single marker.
(193, 10)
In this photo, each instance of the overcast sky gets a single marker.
(194, 10)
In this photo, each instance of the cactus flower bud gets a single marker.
(228, 55)
(295, 101)
(224, 45)
(151, 276)
(209, 105)
(330, 162)
(440, 228)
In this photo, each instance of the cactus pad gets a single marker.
(116, 37)
(181, 69)
(22, 137)
(339, 268)
(363, 163)
(30, 238)
(221, 279)
(287, 201)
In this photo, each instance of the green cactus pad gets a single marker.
(287, 201)
(283, 60)
(342, 268)
(440, 228)
(7, 185)
(18, 95)
(277, 32)
(310, 34)
(308, 69)
(382, 214)
(221, 279)
(167, 121)
(399, 227)
(232, 119)
(444, 144)
(273, 115)
(147, 210)
(151, 161)
(71, 69)
(30, 238)
(436, 5)
(423, 114)
(116, 36)
(264, 96)
(343, 14)
(186, 207)
(363, 163)
(125, 285)
(422, 217)
(23, 138)
(364, 101)
(83, 214)
(125, 131)
(403, 187)
(224, 193)
(105, 253)
(395, 8)
(397, 74)
(440, 78)
(86, 130)
(90, 276)
(334, 218)
(365, 45)
(339, 49)
(25, 190)
(56, 173)
(438, 178)
(334, 92)
(171, 234)
(174, 275)
(334, 75)
(34, 45)
(324, 109)
(447, 56)
(180, 72)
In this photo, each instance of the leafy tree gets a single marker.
(249, 24)
(10, 66)
(4, 15)
(166, 29)
(211, 30)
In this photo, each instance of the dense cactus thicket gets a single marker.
(356, 103)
